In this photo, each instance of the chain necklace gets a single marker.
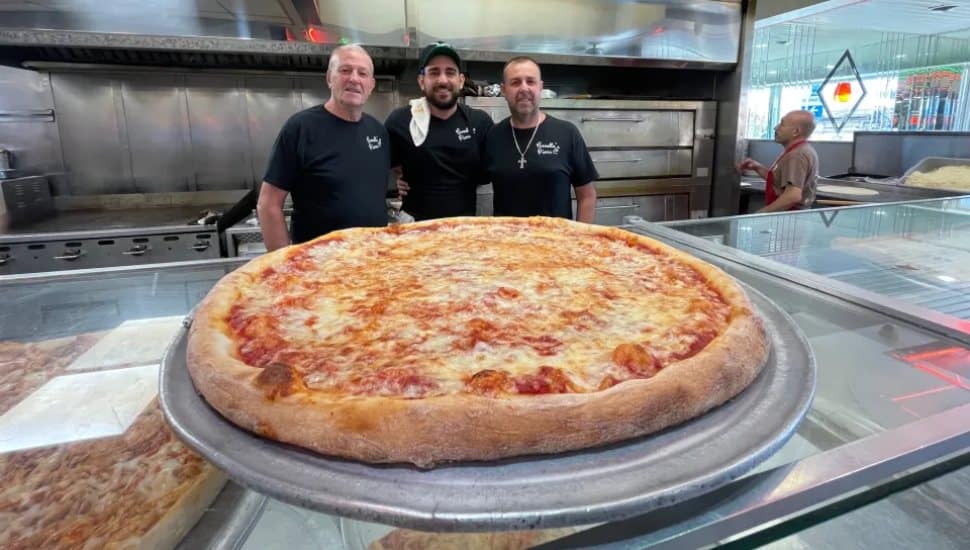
(522, 153)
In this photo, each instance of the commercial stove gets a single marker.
(105, 238)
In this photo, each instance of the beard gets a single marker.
(432, 97)
(523, 109)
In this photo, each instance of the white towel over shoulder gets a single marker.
(420, 120)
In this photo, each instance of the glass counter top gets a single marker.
(85, 452)
(919, 517)
(917, 252)
(875, 374)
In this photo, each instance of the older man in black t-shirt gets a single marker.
(334, 158)
(534, 159)
(437, 142)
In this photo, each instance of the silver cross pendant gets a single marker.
(522, 162)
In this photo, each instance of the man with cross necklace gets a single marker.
(534, 159)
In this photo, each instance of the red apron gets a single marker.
(770, 194)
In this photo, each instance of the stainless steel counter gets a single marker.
(72, 221)
(73, 224)
(81, 239)
(891, 401)
(884, 192)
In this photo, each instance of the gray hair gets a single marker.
(520, 59)
(335, 55)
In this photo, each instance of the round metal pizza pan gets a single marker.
(590, 486)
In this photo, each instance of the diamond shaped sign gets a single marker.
(842, 91)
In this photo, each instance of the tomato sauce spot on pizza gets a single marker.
(545, 344)
(477, 330)
(489, 382)
(546, 380)
(508, 293)
(636, 359)
(258, 352)
(544, 286)
(699, 341)
(394, 381)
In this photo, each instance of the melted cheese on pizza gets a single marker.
(101, 493)
(94, 494)
(481, 308)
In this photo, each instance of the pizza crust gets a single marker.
(169, 530)
(459, 427)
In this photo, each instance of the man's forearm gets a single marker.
(782, 203)
(586, 209)
(273, 225)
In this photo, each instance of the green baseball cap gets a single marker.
(433, 50)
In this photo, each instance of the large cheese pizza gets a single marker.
(472, 339)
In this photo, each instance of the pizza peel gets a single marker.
(595, 485)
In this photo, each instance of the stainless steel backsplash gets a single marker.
(33, 141)
(156, 130)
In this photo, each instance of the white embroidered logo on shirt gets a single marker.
(463, 134)
(551, 148)
(373, 142)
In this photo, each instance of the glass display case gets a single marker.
(884, 446)
(912, 256)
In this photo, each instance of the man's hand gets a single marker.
(402, 187)
(269, 211)
(750, 164)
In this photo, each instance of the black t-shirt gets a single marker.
(336, 170)
(556, 159)
(445, 170)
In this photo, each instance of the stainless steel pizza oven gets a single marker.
(655, 158)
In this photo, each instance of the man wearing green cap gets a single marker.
(436, 143)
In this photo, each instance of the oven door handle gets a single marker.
(612, 119)
(70, 255)
(603, 161)
(617, 206)
(137, 250)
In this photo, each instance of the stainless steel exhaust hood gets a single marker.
(299, 34)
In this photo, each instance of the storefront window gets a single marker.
(927, 99)
(913, 100)
(915, 74)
